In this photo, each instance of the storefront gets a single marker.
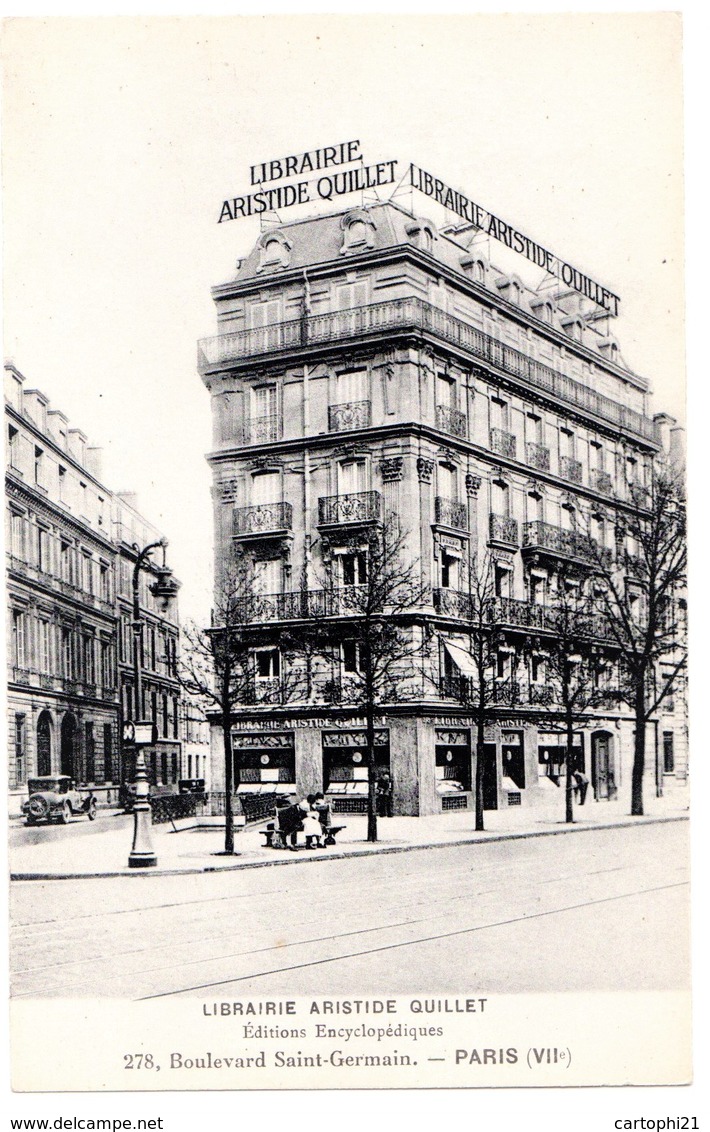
(345, 769)
(552, 752)
(264, 762)
(453, 766)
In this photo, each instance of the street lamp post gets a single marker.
(142, 854)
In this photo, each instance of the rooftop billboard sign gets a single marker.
(338, 170)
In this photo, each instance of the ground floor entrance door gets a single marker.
(603, 778)
(490, 777)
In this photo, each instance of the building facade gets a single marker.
(66, 603)
(368, 365)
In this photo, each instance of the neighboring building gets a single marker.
(159, 643)
(195, 737)
(65, 585)
(368, 364)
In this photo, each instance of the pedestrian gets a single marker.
(325, 816)
(384, 795)
(581, 785)
(311, 824)
(290, 822)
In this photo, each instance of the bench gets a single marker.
(276, 838)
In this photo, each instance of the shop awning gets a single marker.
(462, 659)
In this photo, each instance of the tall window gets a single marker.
(90, 752)
(351, 386)
(534, 424)
(500, 502)
(502, 577)
(19, 536)
(67, 653)
(88, 659)
(351, 477)
(62, 484)
(39, 466)
(447, 482)
(668, 753)
(349, 295)
(268, 664)
(45, 659)
(499, 414)
(13, 444)
(265, 488)
(566, 444)
(268, 576)
(19, 638)
(351, 658)
(264, 401)
(265, 314)
(110, 768)
(445, 391)
(450, 570)
(534, 507)
(353, 568)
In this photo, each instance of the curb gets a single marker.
(483, 839)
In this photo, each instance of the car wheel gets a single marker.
(38, 808)
(65, 814)
(91, 812)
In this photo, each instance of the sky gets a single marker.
(122, 137)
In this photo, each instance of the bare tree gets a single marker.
(378, 636)
(571, 667)
(641, 599)
(477, 605)
(220, 667)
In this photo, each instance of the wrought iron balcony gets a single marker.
(634, 565)
(601, 481)
(260, 519)
(456, 688)
(382, 318)
(262, 430)
(450, 513)
(453, 603)
(451, 420)
(570, 469)
(566, 544)
(360, 507)
(266, 690)
(523, 614)
(506, 692)
(537, 456)
(502, 442)
(351, 414)
(541, 694)
(301, 605)
(503, 529)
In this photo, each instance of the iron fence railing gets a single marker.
(503, 529)
(537, 456)
(571, 544)
(570, 469)
(359, 507)
(261, 430)
(503, 442)
(351, 414)
(415, 313)
(451, 513)
(451, 420)
(262, 518)
(601, 481)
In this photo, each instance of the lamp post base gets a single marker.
(142, 854)
(142, 860)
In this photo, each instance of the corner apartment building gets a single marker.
(66, 588)
(367, 365)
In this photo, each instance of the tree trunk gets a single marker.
(569, 767)
(228, 784)
(639, 749)
(371, 770)
(478, 780)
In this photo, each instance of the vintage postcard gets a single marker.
(345, 533)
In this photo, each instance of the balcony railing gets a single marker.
(502, 442)
(360, 507)
(453, 603)
(415, 313)
(450, 513)
(523, 614)
(340, 601)
(601, 481)
(451, 420)
(570, 469)
(503, 529)
(262, 430)
(568, 544)
(351, 414)
(506, 692)
(541, 694)
(537, 456)
(262, 518)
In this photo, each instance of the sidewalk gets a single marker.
(198, 850)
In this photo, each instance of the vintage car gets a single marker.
(53, 797)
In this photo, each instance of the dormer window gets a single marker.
(274, 251)
(358, 231)
(422, 234)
